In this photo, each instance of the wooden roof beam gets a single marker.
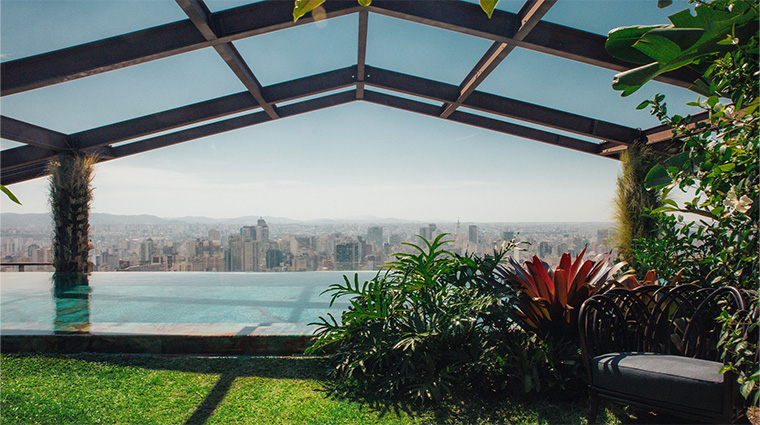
(32, 135)
(503, 106)
(362, 52)
(154, 43)
(200, 15)
(531, 13)
(558, 40)
(39, 168)
(185, 115)
(483, 122)
(266, 16)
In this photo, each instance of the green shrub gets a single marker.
(429, 323)
(738, 342)
(532, 365)
(432, 323)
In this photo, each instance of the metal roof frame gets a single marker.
(204, 29)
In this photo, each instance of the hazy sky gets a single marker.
(349, 160)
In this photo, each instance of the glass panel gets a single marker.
(125, 93)
(34, 27)
(302, 51)
(422, 50)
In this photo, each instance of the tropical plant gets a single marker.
(9, 194)
(303, 7)
(718, 164)
(532, 365)
(739, 343)
(632, 199)
(720, 168)
(691, 41)
(425, 325)
(70, 196)
(550, 299)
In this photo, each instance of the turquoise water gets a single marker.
(194, 302)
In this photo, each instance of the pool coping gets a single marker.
(71, 343)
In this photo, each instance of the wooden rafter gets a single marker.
(200, 15)
(531, 13)
(32, 135)
(483, 122)
(37, 168)
(361, 57)
(510, 108)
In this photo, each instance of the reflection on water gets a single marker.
(71, 292)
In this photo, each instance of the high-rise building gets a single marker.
(429, 232)
(347, 256)
(508, 236)
(262, 231)
(472, 234)
(274, 259)
(242, 254)
(147, 249)
(375, 235)
(248, 231)
(544, 249)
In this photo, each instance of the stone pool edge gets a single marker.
(156, 344)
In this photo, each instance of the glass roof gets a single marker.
(442, 57)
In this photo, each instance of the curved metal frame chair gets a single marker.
(659, 323)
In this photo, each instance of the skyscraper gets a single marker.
(429, 232)
(473, 234)
(375, 235)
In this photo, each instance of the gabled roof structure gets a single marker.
(204, 29)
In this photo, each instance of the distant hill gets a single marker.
(17, 220)
(103, 219)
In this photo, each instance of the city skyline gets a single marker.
(351, 160)
(214, 247)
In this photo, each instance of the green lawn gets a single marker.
(135, 389)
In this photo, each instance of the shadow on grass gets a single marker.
(462, 408)
(228, 369)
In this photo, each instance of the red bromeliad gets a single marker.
(551, 298)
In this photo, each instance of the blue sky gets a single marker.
(351, 160)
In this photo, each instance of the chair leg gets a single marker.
(593, 407)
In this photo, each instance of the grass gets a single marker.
(137, 389)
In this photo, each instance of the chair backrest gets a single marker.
(677, 320)
(700, 339)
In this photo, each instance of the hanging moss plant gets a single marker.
(632, 200)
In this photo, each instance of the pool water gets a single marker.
(193, 303)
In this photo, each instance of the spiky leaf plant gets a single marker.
(70, 196)
(633, 200)
(551, 299)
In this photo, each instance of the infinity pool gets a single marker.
(148, 303)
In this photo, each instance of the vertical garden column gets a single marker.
(632, 200)
(70, 196)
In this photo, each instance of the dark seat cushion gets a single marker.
(672, 379)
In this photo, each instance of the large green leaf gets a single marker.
(10, 194)
(689, 39)
(620, 43)
(631, 80)
(303, 7)
(658, 176)
(667, 44)
(488, 6)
